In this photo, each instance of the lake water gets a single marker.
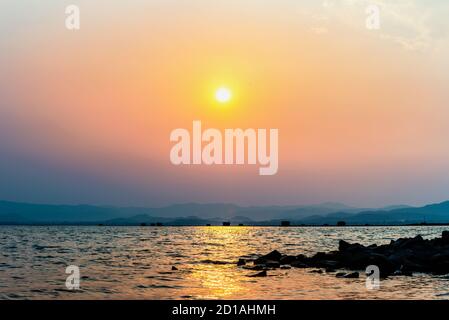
(136, 262)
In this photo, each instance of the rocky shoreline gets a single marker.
(401, 257)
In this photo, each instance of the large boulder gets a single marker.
(445, 238)
(408, 243)
(386, 267)
(439, 263)
(362, 260)
(399, 257)
(272, 256)
(344, 246)
(287, 259)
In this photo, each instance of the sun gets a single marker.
(223, 95)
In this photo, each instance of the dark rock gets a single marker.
(439, 263)
(445, 234)
(272, 264)
(386, 267)
(260, 274)
(241, 262)
(408, 243)
(343, 245)
(411, 266)
(361, 260)
(412, 242)
(298, 264)
(402, 273)
(398, 257)
(353, 275)
(328, 264)
(258, 267)
(287, 259)
(272, 256)
(174, 268)
(445, 237)
(319, 256)
(383, 249)
(316, 271)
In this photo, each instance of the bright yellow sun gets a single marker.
(223, 95)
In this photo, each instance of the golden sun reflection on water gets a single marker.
(137, 263)
(216, 282)
(218, 278)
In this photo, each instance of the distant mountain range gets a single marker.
(432, 213)
(215, 213)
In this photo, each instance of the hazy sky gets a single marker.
(363, 115)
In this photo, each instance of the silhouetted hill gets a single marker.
(216, 213)
(15, 212)
(433, 213)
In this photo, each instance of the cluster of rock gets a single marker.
(401, 257)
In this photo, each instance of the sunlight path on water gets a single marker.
(136, 263)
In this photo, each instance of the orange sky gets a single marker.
(362, 115)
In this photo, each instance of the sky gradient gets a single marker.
(86, 116)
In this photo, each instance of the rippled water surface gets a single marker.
(136, 262)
